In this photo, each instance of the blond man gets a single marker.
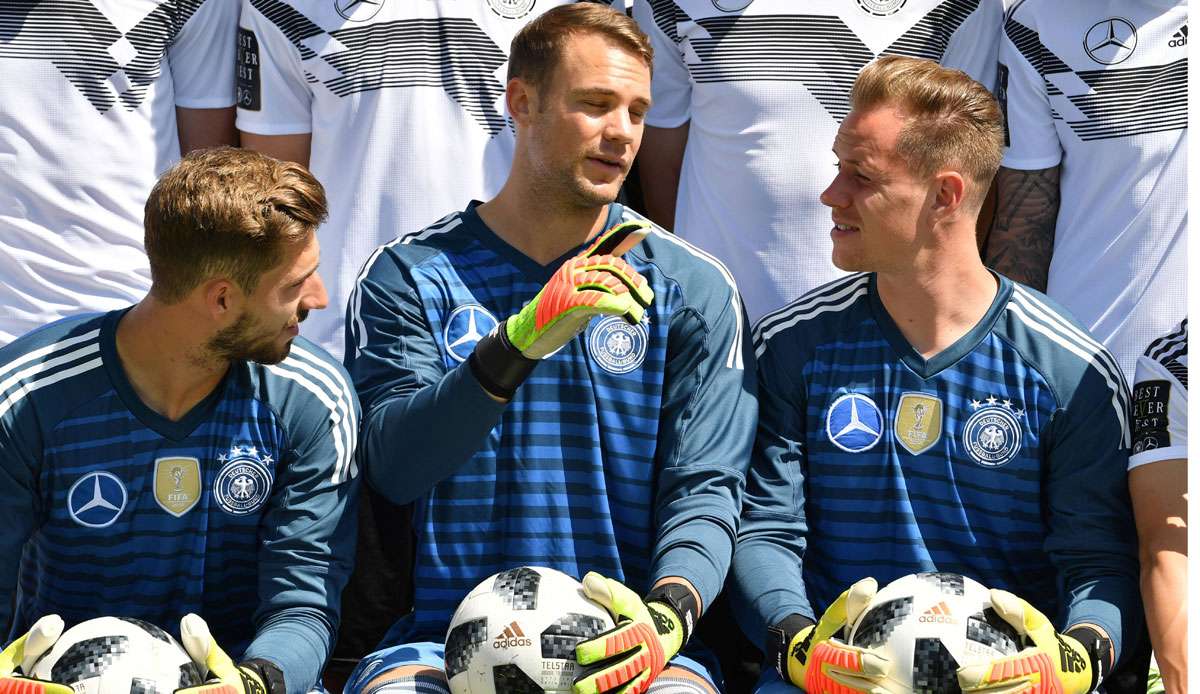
(928, 415)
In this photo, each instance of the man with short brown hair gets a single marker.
(553, 381)
(190, 454)
(928, 415)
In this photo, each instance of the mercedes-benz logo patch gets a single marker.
(731, 5)
(881, 8)
(358, 10)
(511, 9)
(1110, 41)
(617, 346)
(96, 500)
(854, 423)
(466, 325)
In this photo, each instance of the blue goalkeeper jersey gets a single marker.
(1001, 458)
(623, 453)
(237, 511)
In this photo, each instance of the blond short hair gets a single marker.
(537, 47)
(954, 122)
(226, 212)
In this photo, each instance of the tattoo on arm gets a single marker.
(1022, 236)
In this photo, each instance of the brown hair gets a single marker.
(226, 212)
(953, 121)
(537, 48)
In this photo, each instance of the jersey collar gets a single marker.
(951, 355)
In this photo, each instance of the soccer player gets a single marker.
(190, 453)
(619, 450)
(927, 414)
(747, 96)
(1091, 202)
(98, 98)
(1158, 487)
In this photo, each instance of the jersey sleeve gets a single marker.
(438, 417)
(1091, 538)
(308, 530)
(671, 88)
(1158, 416)
(201, 57)
(1031, 139)
(768, 582)
(274, 96)
(20, 453)
(705, 434)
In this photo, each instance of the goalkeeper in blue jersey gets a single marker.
(928, 414)
(188, 454)
(551, 388)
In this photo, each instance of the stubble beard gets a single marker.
(243, 341)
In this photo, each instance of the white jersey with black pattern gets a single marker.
(1159, 410)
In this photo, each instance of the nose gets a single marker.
(619, 127)
(835, 194)
(315, 296)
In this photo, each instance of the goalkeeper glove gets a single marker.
(255, 676)
(648, 634)
(24, 652)
(1058, 663)
(595, 282)
(814, 658)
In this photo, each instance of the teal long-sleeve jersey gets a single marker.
(1001, 458)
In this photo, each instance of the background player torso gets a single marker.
(1113, 110)
(567, 478)
(405, 100)
(765, 85)
(959, 485)
(141, 516)
(87, 122)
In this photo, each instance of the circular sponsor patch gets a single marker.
(881, 8)
(511, 9)
(731, 5)
(358, 10)
(96, 500)
(617, 346)
(242, 486)
(1110, 41)
(466, 325)
(992, 436)
(854, 423)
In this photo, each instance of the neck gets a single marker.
(940, 299)
(538, 227)
(164, 357)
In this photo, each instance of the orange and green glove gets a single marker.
(816, 657)
(221, 675)
(597, 282)
(24, 652)
(647, 635)
(1055, 663)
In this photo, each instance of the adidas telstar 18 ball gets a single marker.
(929, 625)
(117, 655)
(516, 632)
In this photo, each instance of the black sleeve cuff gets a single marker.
(498, 366)
(1100, 650)
(779, 637)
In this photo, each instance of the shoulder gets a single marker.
(812, 318)
(699, 273)
(1074, 364)
(1166, 357)
(409, 250)
(56, 364)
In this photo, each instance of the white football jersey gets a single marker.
(765, 85)
(1159, 417)
(1100, 87)
(405, 103)
(87, 124)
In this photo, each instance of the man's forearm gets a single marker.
(1021, 241)
(1164, 593)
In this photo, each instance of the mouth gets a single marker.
(612, 164)
(841, 229)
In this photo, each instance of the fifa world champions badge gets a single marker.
(991, 436)
(244, 482)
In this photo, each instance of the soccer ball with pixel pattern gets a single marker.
(516, 632)
(930, 624)
(117, 655)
